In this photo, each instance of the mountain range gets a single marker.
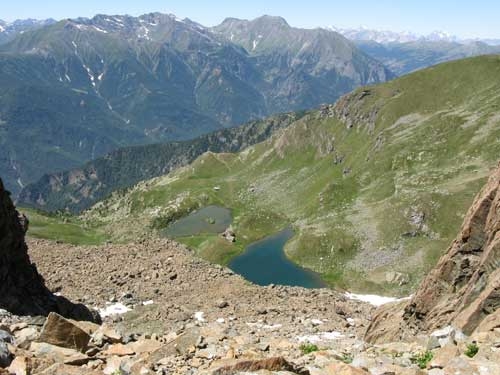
(388, 36)
(404, 58)
(9, 30)
(77, 89)
(406, 52)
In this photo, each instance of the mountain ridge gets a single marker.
(146, 79)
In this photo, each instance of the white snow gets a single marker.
(113, 309)
(199, 316)
(145, 33)
(74, 44)
(99, 77)
(323, 336)
(259, 324)
(20, 183)
(89, 72)
(67, 77)
(109, 106)
(232, 37)
(255, 43)
(374, 299)
(147, 303)
(2, 29)
(100, 30)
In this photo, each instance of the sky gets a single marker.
(464, 18)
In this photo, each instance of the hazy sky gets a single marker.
(465, 18)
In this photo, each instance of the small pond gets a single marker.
(210, 219)
(264, 262)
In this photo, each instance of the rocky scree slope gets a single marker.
(80, 188)
(80, 88)
(374, 186)
(22, 289)
(464, 288)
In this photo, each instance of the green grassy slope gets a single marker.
(376, 184)
(62, 228)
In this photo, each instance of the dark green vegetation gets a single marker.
(308, 348)
(423, 359)
(471, 350)
(403, 58)
(375, 186)
(79, 188)
(77, 89)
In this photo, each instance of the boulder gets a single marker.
(58, 354)
(341, 368)
(268, 364)
(6, 356)
(25, 336)
(6, 337)
(443, 356)
(62, 332)
(62, 369)
(20, 366)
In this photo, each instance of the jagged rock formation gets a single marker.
(22, 289)
(464, 287)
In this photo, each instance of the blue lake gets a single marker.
(264, 262)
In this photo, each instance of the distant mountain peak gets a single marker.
(275, 20)
(363, 33)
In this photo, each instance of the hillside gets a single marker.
(78, 89)
(374, 186)
(78, 189)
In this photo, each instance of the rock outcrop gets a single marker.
(464, 288)
(22, 289)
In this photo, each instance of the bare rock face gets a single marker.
(464, 288)
(22, 289)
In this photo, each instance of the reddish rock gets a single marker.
(269, 364)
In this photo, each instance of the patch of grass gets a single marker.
(423, 359)
(62, 227)
(307, 348)
(471, 350)
(347, 358)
